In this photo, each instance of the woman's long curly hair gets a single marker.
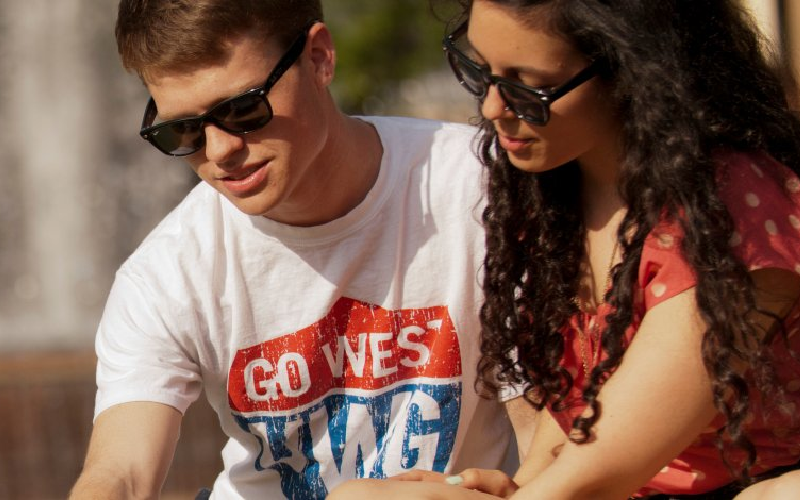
(687, 77)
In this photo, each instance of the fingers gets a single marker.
(493, 482)
(420, 475)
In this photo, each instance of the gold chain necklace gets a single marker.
(594, 329)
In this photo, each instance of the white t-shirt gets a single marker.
(331, 352)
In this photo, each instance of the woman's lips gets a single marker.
(514, 144)
(244, 181)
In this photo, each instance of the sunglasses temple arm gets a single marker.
(150, 113)
(585, 75)
(290, 57)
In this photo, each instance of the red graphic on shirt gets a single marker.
(356, 346)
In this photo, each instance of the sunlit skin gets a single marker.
(582, 124)
(284, 170)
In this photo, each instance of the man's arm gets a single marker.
(130, 452)
(524, 420)
(543, 447)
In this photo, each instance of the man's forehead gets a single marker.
(195, 89)
(227, 48)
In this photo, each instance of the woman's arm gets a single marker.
(656, 403)
(785, 487)
(653, 407)
(543, 449)
(524, 420)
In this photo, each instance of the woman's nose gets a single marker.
(494, 107)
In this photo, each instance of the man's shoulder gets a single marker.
(421, 125)
(422, 141)
(190, 229)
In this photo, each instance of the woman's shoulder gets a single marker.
(763, 198)
(742, 171)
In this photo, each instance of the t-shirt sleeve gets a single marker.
(510, 390)
(763, 198)
(140, 358)
(663, 272)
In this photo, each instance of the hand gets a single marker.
(421, 475)
(492, 482)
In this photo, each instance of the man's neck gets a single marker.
(347, 169)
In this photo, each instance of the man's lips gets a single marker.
(241, 173)
(245, 180)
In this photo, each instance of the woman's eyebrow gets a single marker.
(518, 70)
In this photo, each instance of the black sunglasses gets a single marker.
(531, 104)
(244, 113)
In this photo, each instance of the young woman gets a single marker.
(643, 250)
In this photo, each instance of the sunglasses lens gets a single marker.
(239, 115)
(178, 138)
(524, 103)
(469, 75)
(242, 114)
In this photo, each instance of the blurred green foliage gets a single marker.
(379, 43)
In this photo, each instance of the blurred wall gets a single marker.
(78, 188)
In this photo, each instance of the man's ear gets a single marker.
(322, 53)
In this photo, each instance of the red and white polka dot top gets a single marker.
(763, 198)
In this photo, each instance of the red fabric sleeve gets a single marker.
(763, 198)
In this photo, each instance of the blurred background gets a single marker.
(79, 190)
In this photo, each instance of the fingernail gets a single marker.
(454, 480)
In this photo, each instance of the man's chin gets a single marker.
(253, 205)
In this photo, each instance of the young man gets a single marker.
(321, 285)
